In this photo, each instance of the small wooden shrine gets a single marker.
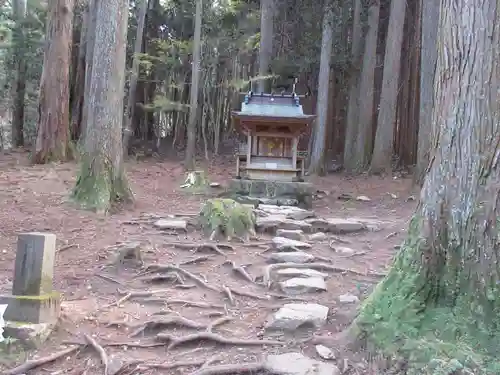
(272, 124)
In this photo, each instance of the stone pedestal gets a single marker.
(33, 303)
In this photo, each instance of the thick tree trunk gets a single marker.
(428, 56)
(352, 127)
(441, 297)
(318, 144)
(189, 163)
(383, 147)
(266, 42)
(363, 145)
(102, 181)
(52, 139)
(127, 131)
(19, 10)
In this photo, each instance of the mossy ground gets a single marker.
(227, 217)
(411, 316)
(99, 186)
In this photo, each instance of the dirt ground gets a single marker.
(35, 198)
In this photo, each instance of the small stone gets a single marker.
(301, 285)
(344, 250)
(294, 315)
(319, 236)
(274, 222)
(165, 224)
(298, 364)
(291, 257)
(301, 272)
(295, 234)
(324, 352)
(214, 184)
(284, 244)
(363, 198)
(300, 215)
(348, 298)
(343, 226)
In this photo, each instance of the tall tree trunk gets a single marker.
(102, 181)
(317, 152)
(189, 163)
(135, 75)
(428, 57)
(266, 42)
(352, 127)
(52, 139)
(363, 145)
(89, 58)
(383, 148)
(441, 295)
(19, 10)
(79, 87)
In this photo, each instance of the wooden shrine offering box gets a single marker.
(272, 125)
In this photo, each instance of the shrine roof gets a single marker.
(279, 106)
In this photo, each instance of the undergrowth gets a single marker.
(408, 317)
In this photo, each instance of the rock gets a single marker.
(344, 250)
(300, 215)
(298, 364)
(279, 201)
(283, 243)
(363, 198)
(31, 336)
(280, 210)
(348, 298)
(319, 236)
(324, 352)
(345, 197)
(292, 234)
(301, 272)
(343, 226)
(301, 285)
(291, 257)
(274, 222)
(174, 224)
(294, 315)
(214, 185)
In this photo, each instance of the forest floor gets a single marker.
(35, 198)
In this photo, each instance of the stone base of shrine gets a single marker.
(281, 193)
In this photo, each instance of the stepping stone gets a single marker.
(324, 352)
(291, 257)
(284, 244)
(298, 364)
(292, 234)
(319, 236)
(275, 222)
(294, 315)
(171, 224)
(280, 210)
(344, 250)
(344, 226)
(348, 298)
(301, 285)
(298, 272)
(300, 215)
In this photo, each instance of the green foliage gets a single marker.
(228, 217)
(408, 316)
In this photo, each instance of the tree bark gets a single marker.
(19, 10)
(352, 127)
(442, 291)
(316, 165)
(102, 182)
(383, 147)
(266, 42)
(428, 57)
(363, 145)
(52, 139)
(127, 131)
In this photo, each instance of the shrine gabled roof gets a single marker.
(272, 106)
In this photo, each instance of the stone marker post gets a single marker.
(33, 298)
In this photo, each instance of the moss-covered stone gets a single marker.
(227, 217)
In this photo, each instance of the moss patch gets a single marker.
(227, 217)
(417, 315)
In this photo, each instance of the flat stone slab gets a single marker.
(324, 352)
(274, 222)
(317, 237)
(171, 224)
(292, 234)
(303, 285)
(298, 272)
(337, 225)
(294, 315)
(348, 298)
(283, 244)
(298, 364)
(291, 257)
(31, 336)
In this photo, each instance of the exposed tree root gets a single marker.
(204, 247)
(249, 294)
(228, 293)
(172, 277)
(164, 322)
(241, 368)
(198, 259)
(209, 336)
(218, 322)
(34, 363)
(239, 270)
(170, 366)
(317, 266)
(118, 343)
(111, 367)
(169, 268)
